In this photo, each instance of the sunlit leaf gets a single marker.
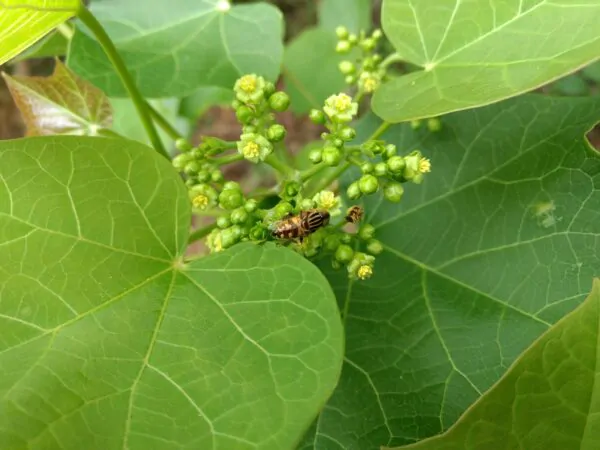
(53, 44)
(60, 104)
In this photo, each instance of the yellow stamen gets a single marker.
(200, 201)
(343, 102)
(364, 272)
(251, 150)
(248, 83)
(424, 165)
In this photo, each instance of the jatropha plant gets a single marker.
(412, 273)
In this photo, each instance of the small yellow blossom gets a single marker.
(369, 81)
(248, 83)
(251, 150)
(249, 89)
(364, 272)
(200, 201)
(341, 107)
(329, 201)
(424, 165)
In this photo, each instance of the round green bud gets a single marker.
(291, 189)
(228, 237)
(374, 247)
(332, 156)
(239, 216)
(344, 253)
(352, 39)
(380, 169)
(393, 192)
(341, 32)
(434, 124)
(338, 143)
(377, 34)
(350, 79)
(192, 168)
(346, 238)
(223, 222)
(347, 133)
(232, 185)
(377, 58)
(203, 176)
(389, 151)
(251, 205)
(283, 209)
(237, 231)
(269, 89)
(347, 67)
(335, 264)
(332, 242)
(236, 104)
(414, 124)
(248, 129)
(244, 114)
(231, 199)
(396, 164)
(276, 133)
(315, 155)
(279, 101)
(306, 204)
(367, 167)
(353, 191)
(258, 232)
(366, 232)
(317, 116)
(310, 252)
(181, 160)
(324, 135)
(343, 47)
(216, 176)
(190, 182)
(183, 145)
(368, 184)
(368, 44)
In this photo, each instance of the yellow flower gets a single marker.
(251, 150)
(364, 272)
(340, 107)
(248, 83)
(200, 201)
(424, 165)
(329, 201)
(249, 89)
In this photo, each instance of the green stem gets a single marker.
(66, 30)
(379, 131)
(309, 173)
(113, 55)
(391, 59)
(326, 181)
(285, 170)
(228, 159)
(163, 123)
(198, 234)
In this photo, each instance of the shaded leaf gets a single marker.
(24, 22)
(197, 103)
(53, 44)
(177, 46)
(500, 241)
(311, 71)
(353, 14)
(472, 56)
(62, 103)
(549, 399)
(108, 340)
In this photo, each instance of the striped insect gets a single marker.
(301, 225)
(354, 214)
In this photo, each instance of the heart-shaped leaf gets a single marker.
(473, 55)
(60, 104)
(548, 399)
(109, 340)
(171, 48)
(353, 14)
(500, 241)
(24, 22)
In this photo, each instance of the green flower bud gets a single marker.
(249, 89)
(353, 39)
(306, 204)
(198, 153)
(341, 32)
(276, 133)
(230, 199)
(183, 145)
(291, 189)
(366, 232)
(239, 216)
(368, 184)
(283, 209)
(374, 247)
(344, 253)
(353, 192)
(434, 124)
(347, 133)
(223, 222)
(269, 89)
(248, 129)
(380, 169)
(216, 176)
(396, 164)
(203, 176)
(335, 264)
(376, 58)
(315, 155)
(229, 237)
(317, 116)
(251, 205)
(332, 242)
(258, 232)
(371, 148)
(191, 182)
(192, 168)
(232, 185)
(350, 79)
(244, 114)
(237, 231)
(377, 34)
(279, 101)
(414, 124)
(181, 160)
(345, 238)
(332, 156)
(343, 47)
(368, 44)
(325, 136)
(347, 67)
(367, 167)
(337, 142)
(393, 192)
(389, 151)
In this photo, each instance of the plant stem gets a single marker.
(113, 55)
(285, 170)
(309, 173)
(228, 159)
(326, 181)
(379, 131)
(66, 30)
(198, 234)
(163, 123)
(393, 58)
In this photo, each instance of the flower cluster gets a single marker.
(368, 70)
(255, 102)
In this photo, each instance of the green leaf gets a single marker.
(500, 241)
(108, 340)
(353, 14)
(197, 103)
(311, 70)
(592, 72)
(547, 399)
(473, 56)
(24, 22)
(177, 46)
(573, 84)
(53, 44)
(60, 104)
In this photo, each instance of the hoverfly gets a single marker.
(354, 214)
(301, 225)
